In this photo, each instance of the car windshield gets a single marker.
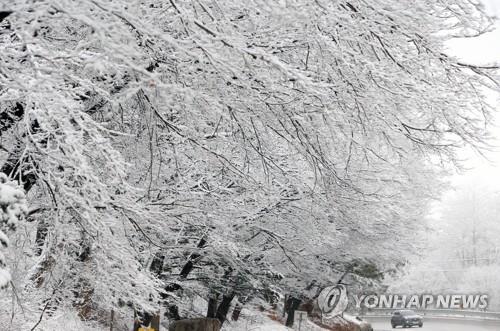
(407, 312)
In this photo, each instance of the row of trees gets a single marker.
(224, 148)
(463, 255)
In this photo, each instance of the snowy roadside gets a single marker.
(244, 325)
(254, 321)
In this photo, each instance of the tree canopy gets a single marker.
(261, 144)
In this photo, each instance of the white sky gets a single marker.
(482, 50)
(482, 173)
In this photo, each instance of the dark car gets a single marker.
(406, 319)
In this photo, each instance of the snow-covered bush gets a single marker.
(12, 208)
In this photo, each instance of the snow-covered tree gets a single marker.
(238, 139)
(463, 255)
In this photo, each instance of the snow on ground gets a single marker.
(249, 321)
(254, 321)
(245, 326)
(64, 320)
(257, 321)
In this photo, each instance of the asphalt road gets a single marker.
(439, 324)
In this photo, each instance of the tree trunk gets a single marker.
(224, 306)
(172, 312)
(112, 320)
(188, 267)
(212, 306)
(285, 305)
(292, 305)
(157, 264)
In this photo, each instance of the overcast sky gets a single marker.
(483, 173)
(482, 50)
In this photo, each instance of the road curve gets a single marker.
(438, 324)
